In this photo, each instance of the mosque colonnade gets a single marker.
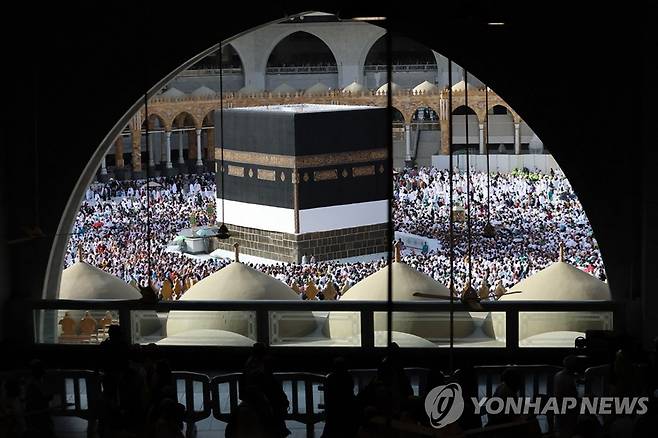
(185, 122)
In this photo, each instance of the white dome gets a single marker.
(318, 88)
(404, 340)
(83, 281)
(247, 90)
(562, 282)
(460, 86)
(384, 88)
(236, 281)
(203, 91)
(208, 337)
(173, 92)
(558, 282)
(407, 281)
(284, 89)
(425, 87)
(354, 87)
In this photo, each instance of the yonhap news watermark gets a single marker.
(445, 405)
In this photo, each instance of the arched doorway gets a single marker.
(184, 139)
(153, 151)
(302, 59)
(413, 63)
(426, 118)
(501, 130)
(462, 116)
(205, 72)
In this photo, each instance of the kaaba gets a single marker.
(304, 179)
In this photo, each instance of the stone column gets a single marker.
(149, 140)
(482, 145)
(103, 176)
(181, 160)
(210, 142)
(163, 146)
(191, 142)
(118, 153)
(199, 162)
(168, 149)
(445, 137)
(517, 138)
(103, 165)
(136, 137)
(407, 141)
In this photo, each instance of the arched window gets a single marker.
(230, 60)
(301, 49)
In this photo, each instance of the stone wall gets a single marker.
(326, 245)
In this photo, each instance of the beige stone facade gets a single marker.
(197, 111)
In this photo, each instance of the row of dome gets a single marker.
(237, 281)
(318, 88)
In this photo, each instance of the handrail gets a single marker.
(353, 305)
(192, 416)
(261, 309)
(233, 380)
(302, 69)
(311, 414)
(362, 376)
(210, 392)
(210, 71)
(401, 67)
(535, 371)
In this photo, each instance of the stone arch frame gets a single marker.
(513, 114)
(370, 46)
(208, 122)
(475, 111)
(275, 42)
(510, 114)
(496, 100)
(397, 111)
(367, 47)
(242, 63)
(155, 117)
(237, 53)
(57, 250)
(424, 105)
(186, 115)
(186, 119)
(478, 117)
(491, 107)
(55, 262)
(150, 120)
(240, 57)
(207, 119)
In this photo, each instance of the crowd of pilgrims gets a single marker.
(532, 214)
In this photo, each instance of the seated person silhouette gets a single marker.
(388, 393)
(258, 375)
(511, 381)
(254, 416)
(339, 402)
